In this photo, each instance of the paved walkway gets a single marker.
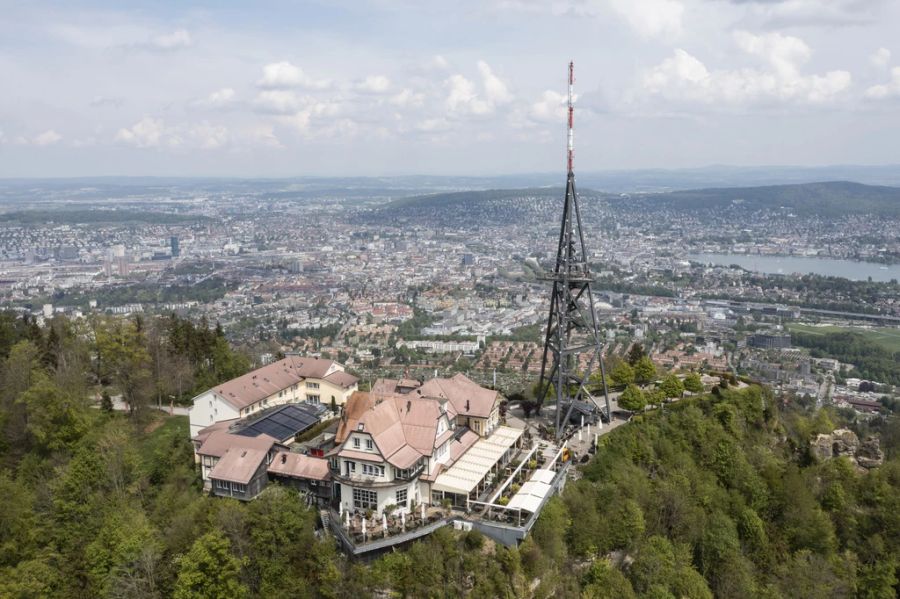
(119, 405)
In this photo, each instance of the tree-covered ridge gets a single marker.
(827, 200)
(871, 361)
(715, 495)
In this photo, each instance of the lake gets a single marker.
(785, 265)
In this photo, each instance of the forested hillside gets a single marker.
(713, 496)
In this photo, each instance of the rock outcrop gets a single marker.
(844, 443)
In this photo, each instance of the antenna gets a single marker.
(571, 144)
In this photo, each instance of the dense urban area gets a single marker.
(750, 340)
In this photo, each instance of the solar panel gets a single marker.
(284, 422)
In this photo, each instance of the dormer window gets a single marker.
(356, 442)
(369, 444)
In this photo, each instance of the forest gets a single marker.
(871, 361)
(716, 495)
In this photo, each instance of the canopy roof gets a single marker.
(473, 466)
(533, 492)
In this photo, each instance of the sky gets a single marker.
(399, 87)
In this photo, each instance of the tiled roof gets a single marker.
(468, 397)
(238, 465)
(255, 386)
(218, 443)
(297, 465)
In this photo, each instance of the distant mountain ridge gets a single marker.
(831, 199)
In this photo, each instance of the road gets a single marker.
(119, 405)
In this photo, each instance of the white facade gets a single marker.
(209, 407)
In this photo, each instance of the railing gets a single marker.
(351, 544)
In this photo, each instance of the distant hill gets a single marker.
(830, 200)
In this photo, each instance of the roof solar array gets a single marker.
(284, 422)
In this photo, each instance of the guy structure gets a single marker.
(572, 325)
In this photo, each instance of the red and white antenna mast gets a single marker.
(571, 144)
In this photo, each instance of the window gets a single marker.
(350, 467)
(314, 398)
(364, 499)
(312, 385)
(401, 497)
(356, 442)
(238, 488)
(369, 444)
(373, 470)
(222, 484)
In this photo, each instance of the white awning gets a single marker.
(533, 492)
(473, 466)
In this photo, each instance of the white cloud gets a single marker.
(286, 75)
(101, 101)
(146, 133)
(495, 90)
(550, 108)
(208, 136)
(174, 40)
(650, 18)
(277, 101)
(831, 13)
(47, 138)
(890, 89)
(464, 99)
(683, 77)
(407, 98)
(376, 84)
(221, 97)
(881, 57)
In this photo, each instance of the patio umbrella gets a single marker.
(384, 523)
(423, 512)
(403, 521)
(364, 527)
(347, 519)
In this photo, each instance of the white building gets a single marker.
(293, 379)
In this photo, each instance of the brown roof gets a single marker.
(468, 397)
(389, 386)
(341, 379)
(297, 465)
(219, 442)
(258, 384)
(403, 427)
(238, 465)
(222, 425)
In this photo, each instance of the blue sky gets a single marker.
(387, 87)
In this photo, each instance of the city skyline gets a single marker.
(393, 88)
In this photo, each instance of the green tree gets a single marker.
(54, 419)
(635, 354)
(622, 374)
(672, 387)
(632, 399)
(693, 383)
(209, 570)
(603, 581)
(644, 371)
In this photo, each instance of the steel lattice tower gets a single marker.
(572, 324)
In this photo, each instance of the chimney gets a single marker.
(283, 458)
(467, 405)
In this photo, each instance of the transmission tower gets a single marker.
(572, 325)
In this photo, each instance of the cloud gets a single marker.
(376, 84)
(47, 138)
(549, 108)
(102, 101)
(890, 89)
(146, 133)
(277, 101)
(174, 40)
(812, 13)
(684, 78)
(650, 18)
(881, 57)
(282, 75)
(407, 98)
(464, 99)
(208, 136)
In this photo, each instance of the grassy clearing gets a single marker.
(887, 338)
